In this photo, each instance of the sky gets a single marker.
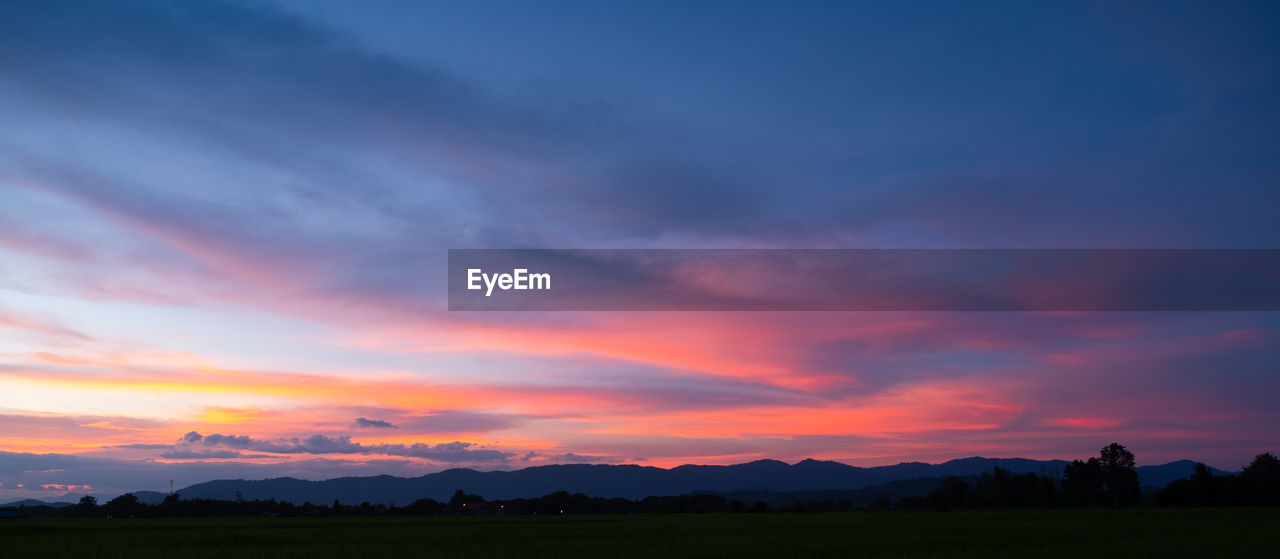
(224, 225)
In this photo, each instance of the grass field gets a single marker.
(1072, 533)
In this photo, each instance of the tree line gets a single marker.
(1108, 480)
(1257, 484)
(462, 503)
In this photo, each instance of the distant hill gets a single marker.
(635, 482)
(70, 499)
(150, 497)
(1159, 476)
(34, 503)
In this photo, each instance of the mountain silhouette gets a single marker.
(35, 503)
(635, 482)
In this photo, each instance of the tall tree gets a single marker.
(1202, 486)
(1118, 474)
(88, 506)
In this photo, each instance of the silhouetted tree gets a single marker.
(170, 506)
(707, 503)
(1118, 474)
(1261, 480)
(1115, 456)
(1083, 482)
(460, 498)
(88, 506)
(1176, 494)
(125, 506)
(1047, 493)
(1201, 487)
(1205, 489)
(954, 493)
(424, 506)
(992, 489)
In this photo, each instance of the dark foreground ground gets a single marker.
(1070, 533)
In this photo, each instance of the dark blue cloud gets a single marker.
(373, 423)
(251, 137)
(452, 452)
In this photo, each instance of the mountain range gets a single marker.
(636, 482)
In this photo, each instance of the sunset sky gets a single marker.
(223, 231)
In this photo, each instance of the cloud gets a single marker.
(242, 441)
(66, 487)
(415, 158)
(42, 325)
(574, 458)
(462, 421)
(143, 446)
(209, 455)
(452, 452)
(219, 152)
(373, 423)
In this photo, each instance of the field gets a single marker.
(1071, 533)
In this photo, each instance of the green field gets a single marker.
(1067, 533)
